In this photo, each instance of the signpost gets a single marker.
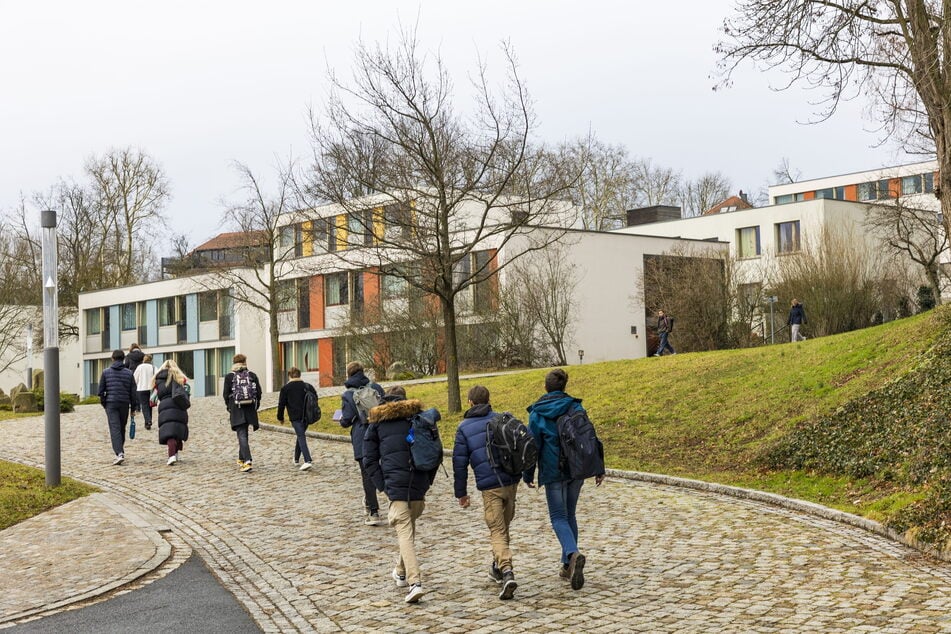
(772, 299)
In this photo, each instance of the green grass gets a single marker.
(23, 493)
(711, 415)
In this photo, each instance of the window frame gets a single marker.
(739, 242)
(795, 239)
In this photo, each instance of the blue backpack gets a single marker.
(424, 444)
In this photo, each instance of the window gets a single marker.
(208, 306)
(128, 316)
(884, 191)
(166, 307)
(784, 199)
(360, 228)
(749, 295)
(928, 182)
(336, 289)
(917, 184)
(839, 193)
(325, 234)
(392, 286)
(289, 241)
(397, 222)
(825, 193)
(303, 303)
(462, 271)
(357, 295)
(787, 237)
(483, 288)
(867, 191)
(747, 242)
(307, 355)
(286, 291)
(93, 321)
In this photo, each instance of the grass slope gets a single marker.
(718, 415)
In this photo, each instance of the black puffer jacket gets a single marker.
(117, 387)
(349, 417)
(386, 454)
(172, 420)
(133, 359)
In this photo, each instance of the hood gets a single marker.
(553, 404)
(395, 410)
(161, 376)
(357, 379)
(237, 367)
(478, 411)
(116, 365)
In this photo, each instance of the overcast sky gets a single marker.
(198, 85)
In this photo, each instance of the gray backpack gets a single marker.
(365, 398)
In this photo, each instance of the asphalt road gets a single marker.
(188, 599)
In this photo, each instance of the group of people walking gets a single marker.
(382, 426)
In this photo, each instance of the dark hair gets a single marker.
(396, 390)
(294, 373)
(556, 380)
(353, 367)
(479, 395)
(118, 355)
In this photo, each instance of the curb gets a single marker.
(146, 523)
(773, 499)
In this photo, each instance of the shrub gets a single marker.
(67, 401)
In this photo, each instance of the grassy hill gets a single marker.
(762, 417)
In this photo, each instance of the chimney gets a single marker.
(743, 197)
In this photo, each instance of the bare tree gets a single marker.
(914, 233)
(894, 52)
(655, 185)
(784, 173)
(606, 186)
(704, 192)
(448, 184)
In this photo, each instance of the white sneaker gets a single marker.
(306, 466)
(172, 460)
(415, 593)
(373, 519)
(119, 458)
(399, 579)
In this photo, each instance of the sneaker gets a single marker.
(415, 593)
(148, 426)
(508, 585)
(120, 457)
(576, 570)
(172, 460)
(246, 467)
(373, 519)
(240, 462)
(495, 574)
(399, 579)
(178, 457)
(563, 573)
(306, 466)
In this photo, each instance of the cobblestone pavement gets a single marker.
(293, 549)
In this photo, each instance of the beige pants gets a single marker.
(499, 510)
(402, 516)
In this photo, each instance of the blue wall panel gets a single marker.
(115, 328)
(151, 322)
(198, 387)
(191, 317)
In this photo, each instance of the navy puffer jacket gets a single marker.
(470, 448)
(172, 420)
(350, 417)
(386, 453)
(117, 387)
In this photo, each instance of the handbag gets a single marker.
(131, 425)
(180, 396)
(153, 397)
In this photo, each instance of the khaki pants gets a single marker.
(499, 510)
(402, 516)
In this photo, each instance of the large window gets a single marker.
(290, 241)
(336, 289)
(302, 355)
(166, 307)
(93, 321)
(392, 286)
(397, 222)
(875, 190)
(303, 303)
(208, 306)
(749, 295)
(325, 234)
(483, 288)
(917, 184)
(128, 316)
(747, 242)
(867, 191)
(787, 237)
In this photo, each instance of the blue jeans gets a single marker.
(562, 501)
(664, 344)
(300, 428)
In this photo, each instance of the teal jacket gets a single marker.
(543, 415)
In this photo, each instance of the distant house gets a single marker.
(733, 203)
(225, 249)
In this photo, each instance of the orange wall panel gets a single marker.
(894, 188)
(851, 192)
(317, 302)
(809, 195)
(325, 355)
(371, 287)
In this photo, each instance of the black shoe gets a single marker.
(495, 574)
(508, 585)
(563, 573)
(148, 425)
(576, 570)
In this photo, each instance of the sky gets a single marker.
(201, 85)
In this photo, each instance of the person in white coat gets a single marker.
(144, 374)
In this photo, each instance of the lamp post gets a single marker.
(580, 356)
(28, 333)
(51, 349)
(772, 299)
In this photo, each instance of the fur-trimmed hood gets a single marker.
(395, 410)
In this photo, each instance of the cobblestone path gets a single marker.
(293, 548)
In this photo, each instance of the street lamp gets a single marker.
(580, 356)
(772, 299)
(51, 348)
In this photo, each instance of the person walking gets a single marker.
(291, 398)
(118, 397)
(797, 317)
(173, 402)
(665, 326)
(354, 415)
(387, 459)
(498, 487)
(561, 490)
(144, 381)
(134, 357)
(242, 394)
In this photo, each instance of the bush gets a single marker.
(67, 401)
(89, 400)
(926, 300)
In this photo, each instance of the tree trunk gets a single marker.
(935, 282)
(452, 354)
(275, 346)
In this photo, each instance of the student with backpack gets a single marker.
(360, 396)
(299, 398)
(665, 326)
(568, 453)
(242, 394)
(394, 429)
(499, 448)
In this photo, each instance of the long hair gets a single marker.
(174, 372)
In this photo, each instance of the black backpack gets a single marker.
(311, 407)
(243, 390)
(582, 454)
(670, 324)
(509, 445)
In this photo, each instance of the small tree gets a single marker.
(700, 194)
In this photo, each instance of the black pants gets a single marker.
(144, 407)
(118, 416)
(244, 450)
(369, 491)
